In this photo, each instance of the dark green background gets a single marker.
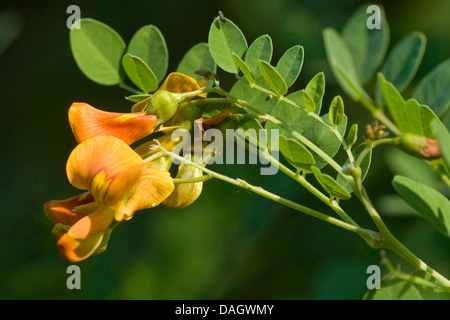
(230, 244)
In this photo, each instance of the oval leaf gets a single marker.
(434, 89)
(148, 44)
(330, 185)
(326, 140)
(316, 89)
(225, 38)
(198, 57)
(244, 68)
(296, 154)
(336, 112)
(308, 102)
(402, 63)
(429, 203)
(139, 73)
(352, 135)
(98, 51)
(367, 46)
(290, 64)
(272, 78)
(260, 49)
(409, 116)
(253, 96)
(342, 63)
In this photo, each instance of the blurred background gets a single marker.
(230, 244)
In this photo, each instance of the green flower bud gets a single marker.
(164, 104)
(185, 116)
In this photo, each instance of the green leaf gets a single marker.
(409, 116)
(148, 44)
(198, 57)
(336, 112)
(401, 163)
(244, 68)
(272, 78)
(392, 205)
(243, 91)
(342, 64)
(98, 51)
(316, 89)
(429, 203)
(352, 135)
(139, 73)
(367, 46)
(402, 62)
(225, 38)
(137, 97)
(296, 154)
(250, 131)
(307, 126)
(330, 185)
(326, 140)
(290, 64)
(434, 89)
(295, 118)
(443, 138)
(308, 101)
(365, 165)
(260, 49)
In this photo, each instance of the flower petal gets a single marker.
(62, 211)
(73, 250)
(175, 82)
(99, 154)
(92, 224)
(151, 189)
(179, 83)
(122, 183)
(87, 122)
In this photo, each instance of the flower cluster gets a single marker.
(117, 181)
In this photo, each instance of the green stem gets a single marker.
(408, 277)
(390, 242)
(376, 113)
(193, 180)
(129, 88)
(306, 142)
(313, 190)
(262, 192)
(282, 125)
(445, 178)
(285, 126)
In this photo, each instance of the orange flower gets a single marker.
(118, 182)
(88, 122)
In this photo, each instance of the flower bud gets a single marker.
(185, 116)
(185, 194)
(419, 146)
(163, 104)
